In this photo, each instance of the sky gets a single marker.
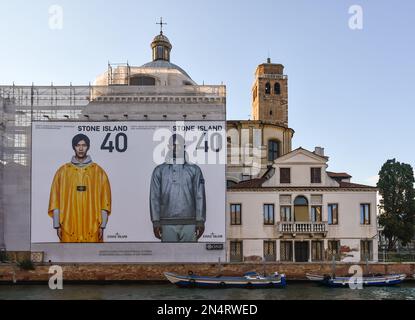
(351, 91)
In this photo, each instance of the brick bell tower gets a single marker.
(270, 94)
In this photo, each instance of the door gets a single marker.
(301, 251)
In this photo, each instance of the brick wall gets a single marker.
(142, 272)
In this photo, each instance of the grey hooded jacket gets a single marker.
(177, 195)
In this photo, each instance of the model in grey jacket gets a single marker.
(177, 198)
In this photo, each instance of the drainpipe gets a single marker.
(2, 167)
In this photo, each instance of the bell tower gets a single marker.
(270, 94)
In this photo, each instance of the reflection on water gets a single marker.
(294, 291)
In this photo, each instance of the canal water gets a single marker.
(294, 291)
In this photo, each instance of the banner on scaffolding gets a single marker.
(101, 182)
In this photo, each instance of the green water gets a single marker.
(294, 291)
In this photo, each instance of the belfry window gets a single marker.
(277, 88)
(267, 88)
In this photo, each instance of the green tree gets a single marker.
(397, 216)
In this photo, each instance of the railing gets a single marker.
(302, 227)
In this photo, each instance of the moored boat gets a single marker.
(366, 281)
(249, 280)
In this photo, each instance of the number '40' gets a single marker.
(120, 144)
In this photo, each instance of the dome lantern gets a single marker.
(161, 45)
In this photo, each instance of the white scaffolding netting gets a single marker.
(19, 106)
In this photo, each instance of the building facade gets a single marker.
(284, 205)
(158, 91)
(253, 145)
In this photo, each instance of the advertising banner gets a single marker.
(111, 182)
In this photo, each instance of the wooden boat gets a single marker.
(368, 280)
(248, 280)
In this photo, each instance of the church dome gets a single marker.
(161, 64)
(159, 72)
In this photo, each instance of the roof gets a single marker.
(353, 185)
(338, 175)
(256, 185)
(249, 184)
(310, 152)
(163, 64)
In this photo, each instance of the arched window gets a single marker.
(142, 81)
(273, 150)
(277, 88)
(301, 201)
(301, 209)
(267, 88)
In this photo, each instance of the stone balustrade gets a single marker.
(302, 227)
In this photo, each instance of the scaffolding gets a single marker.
(23, 104)
(19, 107)
(119, 74)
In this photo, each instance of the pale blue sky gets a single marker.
(349, 91)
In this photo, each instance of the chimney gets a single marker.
(319, 151)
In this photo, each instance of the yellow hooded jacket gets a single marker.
(80, 194)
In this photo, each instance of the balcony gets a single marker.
(295, 228)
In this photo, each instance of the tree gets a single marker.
(396, 186)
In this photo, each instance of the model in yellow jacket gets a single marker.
(80, 197)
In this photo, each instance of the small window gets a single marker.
(236, 251)
(333, 213)
(315, 175)
(316, 199)
(286, 251)
(285, 214)
(366, 250)
(317, 249)
(269, 214)
(333, 250)
(267, 88)
(285, 199)
(270, 251)
(316, 215)
(236, 214)
(365, 213)
(285, 175)
(277, 88)
(273, 150)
